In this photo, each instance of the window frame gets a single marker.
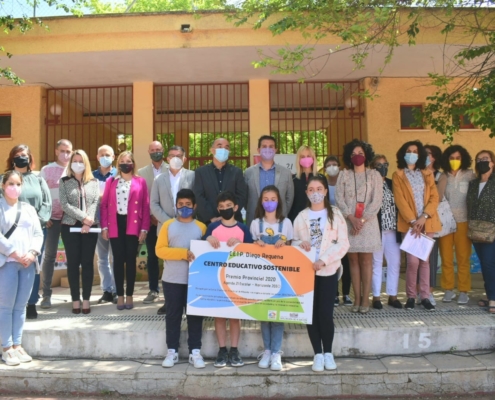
(10, 134)
(410, 105)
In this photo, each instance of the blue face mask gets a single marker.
(105, 162)
(222, 155)
(411, 158)
(185, 212)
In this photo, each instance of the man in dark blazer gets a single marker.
(217, 177)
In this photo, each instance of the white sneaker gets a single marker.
(196, 359)
(22, 355)
(463, 298)
(448, 296)
(329, 361)
(318, 363)
(418, 299)
(432, 300)
(276, 361)
(264, 359)
(10, 357)
(171, 359)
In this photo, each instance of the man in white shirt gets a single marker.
(166, 186)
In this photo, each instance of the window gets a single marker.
(408, 115)
(5, 126)
(465, 122)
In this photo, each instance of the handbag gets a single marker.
(481, 231)
(17, 217)
(446, 218)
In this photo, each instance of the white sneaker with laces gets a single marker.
(276, 361)
(10, 357)
(22, 355)
(264, 359)
(448, 296)
(463, 298)
(196, 359)
(329, 361)
(171, 359)
(318, 363)
(432, 300)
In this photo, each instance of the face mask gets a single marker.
(63, 157)
(21, 161)
(411, 158)
(156, 157)
(483, 167)
(333, 170)
(316, 197)
(221, 155)
(13, 191)
(428, 161)
(176, 163)
(306, 162)
(126, 168)
(77, 167)
(227, 213)
(185, 212)
(383, 170)
(267, 153)
(455, 164)
(105, 162)
(270, 206)
(358, 159)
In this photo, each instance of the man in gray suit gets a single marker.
(268, 173)
(149, 173)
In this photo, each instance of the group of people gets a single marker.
(353, 217)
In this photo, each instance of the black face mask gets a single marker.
(227, 213)
(382, 170)
(126, 168)
(21, 161)
(483, 166)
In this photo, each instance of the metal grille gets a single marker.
(193, 116)
(315, 114)
(89, 117)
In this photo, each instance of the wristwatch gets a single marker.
(426, 216)
(34, 253)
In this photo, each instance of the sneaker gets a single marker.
(152, 296)
(432, 300)
(222, 358)
(318, 363)
(10, 357)
(31, 312)
(235, 358)
(418, 299)
(46, 303)
(171, 359)
(427, 305)
(463, 298)
(409, 304)
(161, 311)
(106, 298)
(448, 296)
(264, 358)
(276, 361)
(22, 355)
(329, 361)
(347, 301)
(196, 359)
(336, 302)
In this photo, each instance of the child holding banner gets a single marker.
(173, 247)
(322, 226)
(271, 227)
(228, 230)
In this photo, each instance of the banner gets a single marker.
(248, 281)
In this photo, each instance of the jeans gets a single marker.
(104, 252)
(391, 250)
(272, 334)
(175, 306)
(80, 250)
(151, 239)
(346, 277)
(50, 256)
(35, 295)
(16, 283)
(486, 254)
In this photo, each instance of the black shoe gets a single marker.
(106, 298)
(235, 358)
(31, 312)
(395, 303)
(427, 305)
(115, 298)
(337, 302)
(377, 304)
(410, 304)
(347, 300)
(161, 311)
(222, 358)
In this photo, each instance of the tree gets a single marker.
(465, 87)
(121, 6)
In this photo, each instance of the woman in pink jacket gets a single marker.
(125, 220)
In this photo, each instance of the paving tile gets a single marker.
(400, 365)
(70, 368)
(486, 358)
(452, 363)
(114, 367)
(359, 366)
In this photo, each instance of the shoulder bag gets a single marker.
(481, 231)
(446, 218)
(17, 217)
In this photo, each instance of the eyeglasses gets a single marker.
(483, 159)
(378, 165)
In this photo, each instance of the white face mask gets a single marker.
(78, 167)
(332, 170)
(176, 163)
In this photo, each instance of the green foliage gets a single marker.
(121, 6)
(288, 142)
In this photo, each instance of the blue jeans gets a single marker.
(16, 283)
(35, 295)
(272, 334)
(486, 254)
(104, 251)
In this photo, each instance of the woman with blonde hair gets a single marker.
(306, 167)
(79, 195)
(125, 221)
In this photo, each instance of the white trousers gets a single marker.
(391, 250)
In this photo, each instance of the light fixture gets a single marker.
(185, 28)
(351, 103)
(56, 111)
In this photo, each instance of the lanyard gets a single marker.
(366, 185)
